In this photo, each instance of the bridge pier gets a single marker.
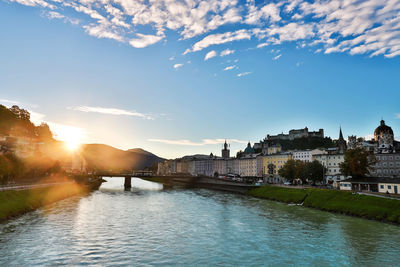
(128, 183)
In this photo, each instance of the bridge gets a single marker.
(184, 180)
(128, 176)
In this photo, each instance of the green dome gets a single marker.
(249, 149)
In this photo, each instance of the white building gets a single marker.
(306, 155)
(220, 166)
(248, 166)
(391, 187)
(204, 167)
(332, 164)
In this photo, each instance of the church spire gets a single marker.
(341, 134)
(341, 143)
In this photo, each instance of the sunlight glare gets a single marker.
(72, 136)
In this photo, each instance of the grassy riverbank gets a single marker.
(368, 207)
(14, 203)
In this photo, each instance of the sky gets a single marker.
(178, 77)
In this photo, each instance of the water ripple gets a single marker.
(151, 227)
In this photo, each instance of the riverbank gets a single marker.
(348, 203)
(18, 202)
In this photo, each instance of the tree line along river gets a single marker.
(151, 226)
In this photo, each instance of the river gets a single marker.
(150, 226)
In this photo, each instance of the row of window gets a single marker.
(391, 164)
(388, 186)
(391, 171)
(389, 157)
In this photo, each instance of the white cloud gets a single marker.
(35, 3)
(398, 116)
(230, 68)
(103, 30)
(262, 45)
(221, 38)
(171, 58)
(54, 15)
(178, 65)
(226, 52)
(144, 40)
(210, 54)
(36, 117)
(336, 26)
(243, 74)
(185, 142)
(112, 111)
(256, 15)
(277, 57)
(7, 101)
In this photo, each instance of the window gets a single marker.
(389, 187)
(382, 186)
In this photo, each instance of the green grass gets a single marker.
(369, 207)
(287, 195)
(14, 203)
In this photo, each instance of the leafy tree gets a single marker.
(357, 163)
(315, 171)
(44, 133)
(297, 169)
(289, 170)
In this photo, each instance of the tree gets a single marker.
(357, 163)
(315, 171)
(291, 170)
(44, 133)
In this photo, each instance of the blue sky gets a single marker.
(133, 73)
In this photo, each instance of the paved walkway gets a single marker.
(378, 195)
(30, 186)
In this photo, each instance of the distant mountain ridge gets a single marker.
(108, 158)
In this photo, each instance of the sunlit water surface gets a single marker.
(150, 226)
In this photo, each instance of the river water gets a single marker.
(150, 226)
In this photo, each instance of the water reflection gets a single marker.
(151, 226)
(117, 184)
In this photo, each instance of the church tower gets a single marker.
(225, 151)
(341, 143)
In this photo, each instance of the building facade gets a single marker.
(248, 167)
(387, 165)
(306, 155)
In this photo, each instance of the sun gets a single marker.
(72, 137)
(72, 144)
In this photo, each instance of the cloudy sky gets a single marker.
(177, 77)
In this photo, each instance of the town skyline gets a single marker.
(115, 74)
(73, 142)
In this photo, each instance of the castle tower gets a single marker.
(225, 151)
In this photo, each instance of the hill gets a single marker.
(108, 158)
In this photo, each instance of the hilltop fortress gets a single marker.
(296, 134)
